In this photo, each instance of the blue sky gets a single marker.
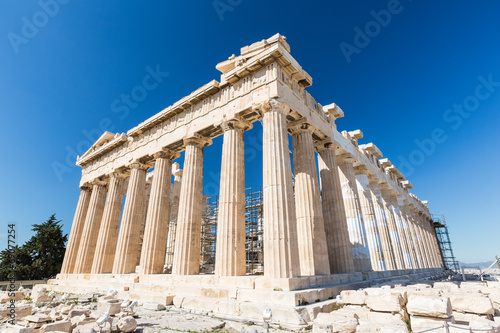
(63, 78)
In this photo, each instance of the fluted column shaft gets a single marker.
(432, 242)
(421, 240)
(156, 229)
(108, 233)
(133, 214)
(415, 237)
(406, 228)
(313, 252)
(75, 235)
(393, 231)
(416, 254)
(383, 228)
(337, 235)
(230, 256)
(188, 234)
(405, 246)
(369, 219)
(91, 229)
(281, 252)
(357, 233)
(173, 211)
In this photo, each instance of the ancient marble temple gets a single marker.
(355, 216)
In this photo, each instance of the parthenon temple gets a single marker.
(332, 212)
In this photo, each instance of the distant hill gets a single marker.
(484, 264)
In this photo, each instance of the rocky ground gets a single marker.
(400, 306)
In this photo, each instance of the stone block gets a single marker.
(153, 306)
(386, 302)
(127, 324)
(20, 311)
(335, 322)
(369, 327)
(37, 318)
(78, 312)
(495, 299)
(471, 303)
(15, 295)
(480, 325)
(429, 306)
(61, 326)
(356, 297)
(109, 306)
(426, 323)
(17, 329)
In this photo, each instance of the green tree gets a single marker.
(40, 257)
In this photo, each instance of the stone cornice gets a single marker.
(118, 140)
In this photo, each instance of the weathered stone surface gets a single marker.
(428, 306)
(386, 302)
(335, 322)
(20, 311)
(425, 323)
(495, 299)
(471, 303)
(479, 325)
(93, 328)
(110, 306)
(17, 329)
(368, 327)
(127, 324)
(153, 306)
(79, 312)
(16, 296)
(61, 326)
(356, 297)
(37, 318)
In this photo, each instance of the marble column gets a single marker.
(108, 233)
(421, 239)
(188, 234)
(75, 235)
(383, 228)
(281, 253)
(147, 194)
(230, 255)
(415, 236)
(174, 209)
(90, 231)
(369, 218)
(357, 233)
(156, 229)
(405, 246)
(408, 234)
(133, 213)
(416, 256)
(337, 235)
(313, 252)
(393, 231)
(432, 242)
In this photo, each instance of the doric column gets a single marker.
(369, 218)
(313, 252)
(75, 235)
(406, 227)
(156, 229)
(431, 241)
(415, 247)
(337, 235)
(147, 194)
(174, 209)
(108, 233)
(415, 235)
(405, 246)
(391, 223)
(133, 213)
(383, 228)
(188, 233)
(281, 254)
(421, 239)
(91, 229)
(357, 233)
(230, 256)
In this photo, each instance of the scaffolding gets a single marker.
(253, 227)
(439, 224)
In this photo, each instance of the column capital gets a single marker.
(136, 164)
(373, 179)
(197, 140)
(235, 123)
(99, 182)
(345, 157)
(166, 153)
(86, 187)
(300, 125)
(275, 104)
(361, 170)
(326, 144)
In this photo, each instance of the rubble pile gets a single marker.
(434, 307)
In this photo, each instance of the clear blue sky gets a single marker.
(62, 77)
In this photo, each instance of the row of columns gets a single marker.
(351, 223)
